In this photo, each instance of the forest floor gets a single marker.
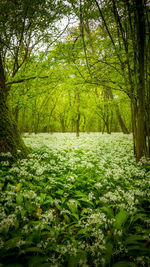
(75, 202)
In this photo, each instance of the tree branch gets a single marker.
(26, 79)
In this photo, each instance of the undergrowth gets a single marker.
(75, 202)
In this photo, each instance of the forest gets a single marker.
(74, 133)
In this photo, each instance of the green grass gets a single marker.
(75, 202)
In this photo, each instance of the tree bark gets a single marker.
(78, 113)
(121, 122)
(10, 138)
(141, 118)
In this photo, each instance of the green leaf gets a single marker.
(122, 264)
(87, 202)
(1, 185)
(73, 261)
(109, 250)
(136, 217)
(37, 261)
(43, 265)
(13, 265)
(11, 243)
(133, 239)
(58, 206)
(75, 216)
(60, 192)
(19, 198)
(140, 248)
(47, 202)
(63, 199)
(23, 212)
(66, 217)
(73, 206)
(121, 218)
(34, 249)
(108, 210)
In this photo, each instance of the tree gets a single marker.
(126, 24)
(23, 27)
(97, 73)
(132, 34)
(66, 100)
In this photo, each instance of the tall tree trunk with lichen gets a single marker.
(10, 138)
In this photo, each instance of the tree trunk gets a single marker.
(121, 122)
(63, 126)
(37, 123)
(78, 126)
(10, 138)
(78, 113)
(99, 125)
(141, 118)
(16, 113)
(84, 124)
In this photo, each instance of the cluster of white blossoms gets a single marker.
(69, 191)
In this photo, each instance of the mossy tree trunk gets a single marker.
(10, 138)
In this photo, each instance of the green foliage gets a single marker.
(50, 104)
(68, 203)
(122, 264)
(121, 218)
